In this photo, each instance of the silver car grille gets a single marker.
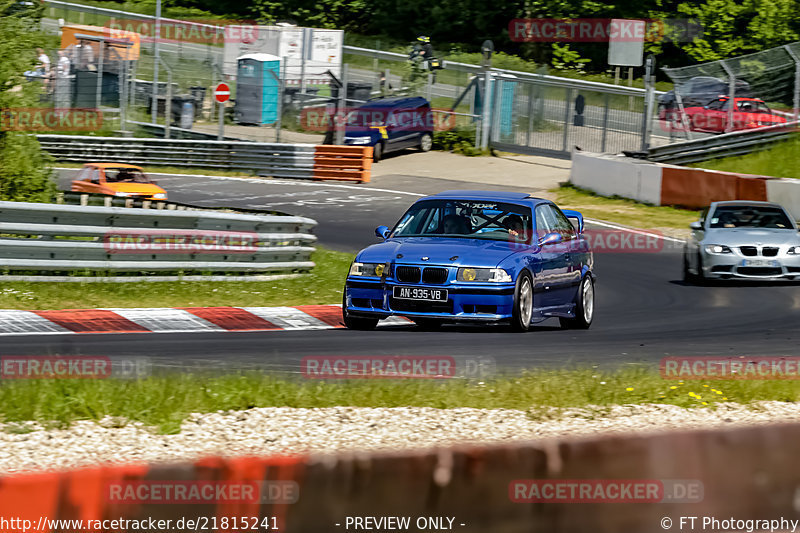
(752, 251)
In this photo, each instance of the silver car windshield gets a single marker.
(750, 216)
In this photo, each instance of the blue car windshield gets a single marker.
(468, 219)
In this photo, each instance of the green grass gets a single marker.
(322, 286)
(623, 210)
(780, 161)
(164, 401)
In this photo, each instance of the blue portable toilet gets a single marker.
(506, 108)
(501, 96)
(257, 89)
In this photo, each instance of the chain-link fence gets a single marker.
(764, 86)
(530, 112)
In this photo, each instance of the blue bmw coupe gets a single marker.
(475, 256)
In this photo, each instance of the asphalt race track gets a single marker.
(643, 311)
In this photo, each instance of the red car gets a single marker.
(749, 113)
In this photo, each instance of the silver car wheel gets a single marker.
(587, 296)
(526, 301)
(426, 143)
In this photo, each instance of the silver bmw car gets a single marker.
(743, 240)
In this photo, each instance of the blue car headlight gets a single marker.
(360, 140)
(369, 270)
(717, 249)
(497, 275)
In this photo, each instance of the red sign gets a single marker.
(222, 93)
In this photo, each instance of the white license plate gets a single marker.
(759, 263)
(419, 293)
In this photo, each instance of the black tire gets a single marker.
(377, 152)
(428, 324)
(688, 277)
(359, 323)
(584, 306)
(700, 278)
(426, 142)
(523, 303)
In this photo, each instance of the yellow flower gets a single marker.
(673, 387)
(718, 392)
(629, 389)
(691, 394)
(704, 403)
(724, 398)
(705, 385)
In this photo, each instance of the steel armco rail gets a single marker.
(725, 145)
(267, 159)
(67, 238)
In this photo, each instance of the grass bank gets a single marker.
(779, 161)
(165, 401)
(622, 210)
(322, 286)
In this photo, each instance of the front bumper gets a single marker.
(482, 302)
(729, 266)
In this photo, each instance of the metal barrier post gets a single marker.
(340, 115)
(156, 58)
(607, 103)
(568, 99)
(796, 95)
(649, 96)
(281, 96)
(168, 103)
(487, 114)
(731, 95)
(99, 93)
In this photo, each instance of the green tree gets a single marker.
(25, 173)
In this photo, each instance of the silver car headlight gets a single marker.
(369, 270)
(359, 140)
(717, 249)
(123, 194)
(160, 196)
(497, 275)
(794, 250)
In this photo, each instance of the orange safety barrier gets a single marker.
(349, 163)
(694, 187)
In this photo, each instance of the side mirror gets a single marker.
(696, 225)
(550, 238)
(382, 232)
(574, 215)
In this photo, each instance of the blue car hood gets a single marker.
(439, 251)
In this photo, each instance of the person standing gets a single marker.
(43, 66)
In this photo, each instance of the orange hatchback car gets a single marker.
(117, 179)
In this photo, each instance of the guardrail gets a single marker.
(725, 145)
(66, 238)
(279, 160)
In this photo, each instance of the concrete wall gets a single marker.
(654, 183)
(746, 473)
